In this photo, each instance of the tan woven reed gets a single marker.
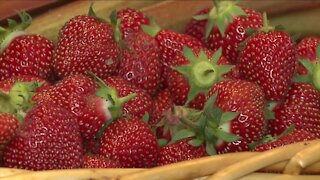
(298, 161)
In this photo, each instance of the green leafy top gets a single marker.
(206, 126)
(14, 29)
(221, 15)
(202, 72)
(153, 29)
(313, 76)
(19, 99)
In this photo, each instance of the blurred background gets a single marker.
(297, 16)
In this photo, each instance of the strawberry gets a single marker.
(9, 126)
(180, 151)
(131, 142)
(140, 63)
(22, 53)
(170, 44)
(138, 106)
(86, 43)
(300, 107)
(91, 161)
(49, 138)
(7, 84)
(269, 59)
(307, 50)
(185, 85)
(161, 103)
(283, 139)
(131, 21)
(226, 27)
(196, 28)
(247, 99)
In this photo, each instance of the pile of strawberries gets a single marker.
(125, 93)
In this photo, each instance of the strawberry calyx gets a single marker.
(221, 15)
(269, 138)
(209, 126)
(201, 72)
(18, 101)
(153, 29)
(14, 30)
(313, 76)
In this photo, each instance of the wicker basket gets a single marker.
(296, 161)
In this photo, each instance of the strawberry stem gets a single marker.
(153, 29)
(201, 72)
(266, 27)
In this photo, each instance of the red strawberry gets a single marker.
(131, 142)
(180, 151)
(131, 21)
(185, 85)
(86, 43)
(90, 161)
(161, 103)
(138, 106)
(140, 63)
(196, 28)
(226, 27)
(24, 54)
(7, 84)
(170, 43)
(49, 138)
(300, 107)
(9, 126)
(247, 99)
(286, 139)
(269, 59)
(307, 50)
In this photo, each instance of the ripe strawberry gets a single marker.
(138, 106)
(300, 107)
(94, 161)
(247, 99)
(180, 151)
(49, 138)
(170, 43)
(186, 85)
(8, 128)
(24, 54)
(269, 59)
(131, 142)
(226, 27)
(307, 50)
(161, 103)
(285, 139)
(196, 28)
(140, 63)
(131, 21)
(86, 43)
(7, 84)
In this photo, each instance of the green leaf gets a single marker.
(221, 25)
(11, 23)
(216, 56)
(201, 17)
(228, 137)
(151, 29)
(308, 65)
(210, 149)
(269, 115)
(91, 11)
(318, 53)
(182, 134)
(162, 142)
(187, 52)
(184, 69)
(289, 130)
(193, 92)
(223, 69)
(302, 78)
(209, 27)
(228, 116)
(146, 117)
(113, 18)
(196, 142)
(102, 92)
(202, 55)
